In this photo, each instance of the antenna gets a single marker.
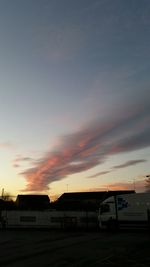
(67, 186)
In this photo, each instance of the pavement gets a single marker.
(42, 248)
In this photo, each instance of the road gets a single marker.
(21, 248)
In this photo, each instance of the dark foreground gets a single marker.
(19, 248)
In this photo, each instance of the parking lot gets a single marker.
(58, 248)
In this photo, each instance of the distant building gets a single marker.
(32, 202)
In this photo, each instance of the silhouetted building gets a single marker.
(32, 202)
(85, 200)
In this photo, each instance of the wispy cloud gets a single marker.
(99, 174)
(80, 151)
(15, 165)
(6, 145)
(129, 163)
(20, 159)
(121, 166)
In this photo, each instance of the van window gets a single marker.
(27, 219)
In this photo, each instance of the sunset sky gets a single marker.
(74, 95)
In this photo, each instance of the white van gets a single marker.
(125, 211)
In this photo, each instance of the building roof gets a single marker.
(33, 201)
(91, 195)
(85, 200)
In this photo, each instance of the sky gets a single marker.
(74, 95)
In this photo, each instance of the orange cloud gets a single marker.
(137, 185)
(6, 145)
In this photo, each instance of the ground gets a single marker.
(21, 248)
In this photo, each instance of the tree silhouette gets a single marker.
(7, 197)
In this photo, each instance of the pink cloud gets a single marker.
(91, 146)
